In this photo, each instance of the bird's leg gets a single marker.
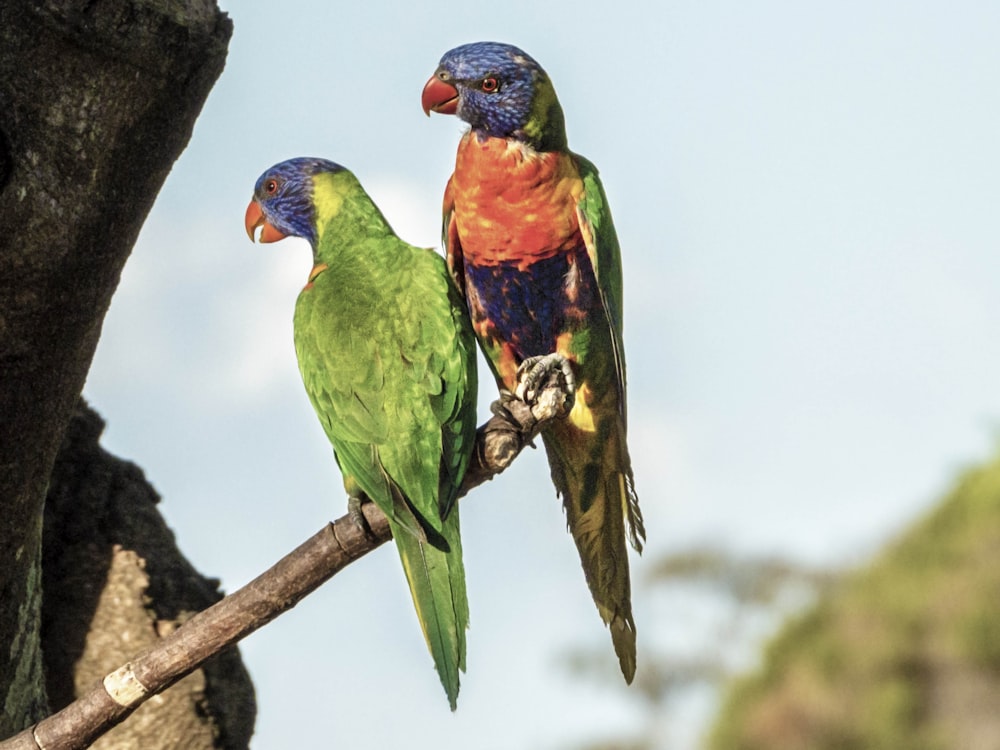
(354, 503)
(534, 371)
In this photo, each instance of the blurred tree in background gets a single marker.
(721, 607)
(903, 652)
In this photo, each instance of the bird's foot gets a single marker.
(354, 503)
(502, 406)
(517, 414)
(536, 374)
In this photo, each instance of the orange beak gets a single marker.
(255, 218)
(439, 96)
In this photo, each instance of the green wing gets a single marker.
(387, 358)
(594, 215)
(599, 234)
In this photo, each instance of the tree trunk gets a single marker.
(97, 100)
(114, 584)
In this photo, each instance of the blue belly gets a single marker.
(528, 309)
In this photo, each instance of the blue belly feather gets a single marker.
(528, 309)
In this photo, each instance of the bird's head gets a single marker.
(500, 91)
(282, 203)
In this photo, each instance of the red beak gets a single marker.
(255, 218)
(440, 97)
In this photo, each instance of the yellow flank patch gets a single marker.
(581, 416)
(564, 345)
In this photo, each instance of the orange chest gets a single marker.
(513, 204)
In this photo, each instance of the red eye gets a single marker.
(271, 187)
(490, 84)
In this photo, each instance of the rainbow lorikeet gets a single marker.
(387, 357)
(530, 243)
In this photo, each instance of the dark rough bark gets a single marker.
(97, 100)
(116, 584)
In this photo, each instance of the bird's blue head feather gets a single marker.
(285, 195)
(504, 92)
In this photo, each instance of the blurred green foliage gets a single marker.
(904, 653)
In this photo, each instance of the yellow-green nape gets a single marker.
(329, 191)
(546, 124)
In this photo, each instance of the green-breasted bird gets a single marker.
(530, 243)
(387, 357)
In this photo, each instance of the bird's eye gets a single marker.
(490, 85)
(271, 187)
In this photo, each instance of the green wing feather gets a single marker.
(387, 358)
(598, 229)
(594, 216)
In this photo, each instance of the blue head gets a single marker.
(282, 202)
(500, 91)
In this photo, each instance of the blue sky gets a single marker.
(805, 197)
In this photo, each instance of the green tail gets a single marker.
(593, 474)
(436, 576)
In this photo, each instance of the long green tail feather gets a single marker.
(437, 584)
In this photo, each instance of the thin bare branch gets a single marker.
(498, 442)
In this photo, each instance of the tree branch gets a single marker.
(514, 424)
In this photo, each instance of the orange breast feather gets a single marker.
(512, 203)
